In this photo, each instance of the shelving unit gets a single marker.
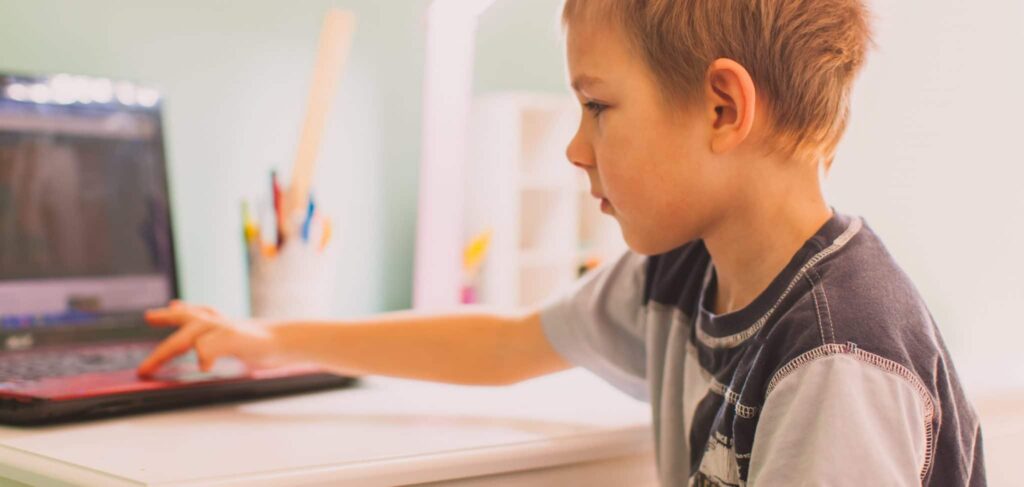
(518, 183)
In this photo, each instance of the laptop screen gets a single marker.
(85, 233)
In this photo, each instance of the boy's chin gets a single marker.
(654, 242)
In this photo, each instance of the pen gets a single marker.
(275, 187)
(309, 219)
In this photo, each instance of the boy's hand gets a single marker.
(211, 334)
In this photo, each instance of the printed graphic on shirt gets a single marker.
(718, 467)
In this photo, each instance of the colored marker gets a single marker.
(309, 219)
(275, 187)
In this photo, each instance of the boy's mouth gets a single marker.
(606, 206)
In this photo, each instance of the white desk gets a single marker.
(568, 428)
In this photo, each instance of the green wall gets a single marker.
(235, 76)
(520, 47)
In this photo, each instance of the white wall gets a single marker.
(933, 162)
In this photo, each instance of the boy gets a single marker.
(777, 341)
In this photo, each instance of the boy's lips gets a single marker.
(606, 206)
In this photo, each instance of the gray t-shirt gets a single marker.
(835, 374)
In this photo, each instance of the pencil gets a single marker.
(275, 187)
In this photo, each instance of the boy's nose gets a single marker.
(578, 153)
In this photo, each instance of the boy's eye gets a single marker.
(594, 107)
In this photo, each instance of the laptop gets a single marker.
(85, 247)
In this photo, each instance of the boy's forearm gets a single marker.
(471, 347)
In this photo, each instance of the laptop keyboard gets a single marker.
(62, 363)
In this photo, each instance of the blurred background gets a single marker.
(931, 158)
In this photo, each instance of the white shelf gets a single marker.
(544, 257)
(537, 284)
(544, 221)
(535, 182)
(545, 218)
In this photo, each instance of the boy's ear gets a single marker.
(731, 99)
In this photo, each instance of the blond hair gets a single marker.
(802, 55)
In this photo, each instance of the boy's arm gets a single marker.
(472, 347)
(469, 347)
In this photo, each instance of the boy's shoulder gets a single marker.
(859, 306)
(859, 298)
(842, 288)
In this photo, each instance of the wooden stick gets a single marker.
(335, 44)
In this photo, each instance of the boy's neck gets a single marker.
(759, 237)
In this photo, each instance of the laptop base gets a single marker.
(36, 411)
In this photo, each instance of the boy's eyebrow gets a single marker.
(583, 81)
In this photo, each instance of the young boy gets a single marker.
(776, 340)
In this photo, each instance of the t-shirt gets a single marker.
(834, 375)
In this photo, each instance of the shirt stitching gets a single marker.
(828, 311)
(734, 340)
(731, 397)
(817, 309)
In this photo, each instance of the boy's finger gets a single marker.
(208, 310)
(208, 348)
(169, 316)
(178, 343)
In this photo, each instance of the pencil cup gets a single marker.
(295, 282)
